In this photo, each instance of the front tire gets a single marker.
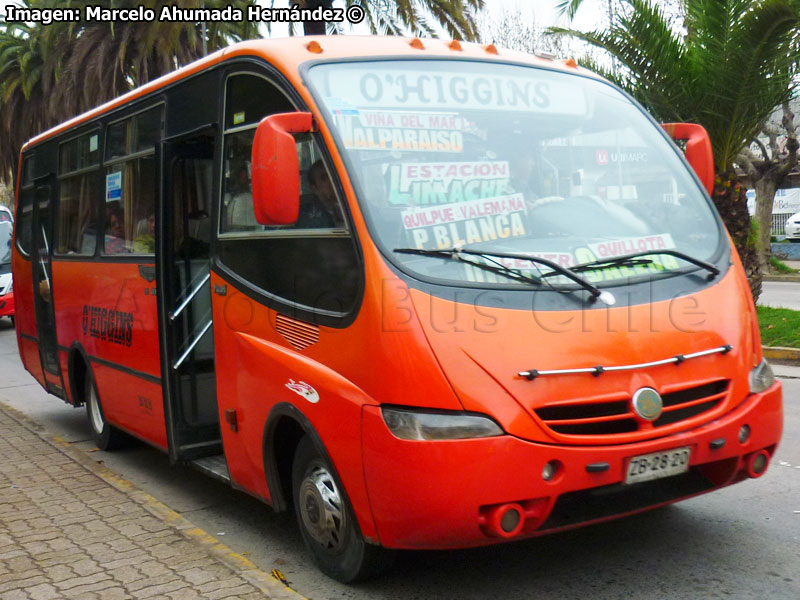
(107, 437)
(326, 521)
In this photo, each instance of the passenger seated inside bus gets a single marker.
(524, 176)
(145, 240)
(115, 230)
(239, 213)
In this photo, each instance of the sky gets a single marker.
(592, 12)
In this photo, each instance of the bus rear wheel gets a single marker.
(107, 437)
(326, 521)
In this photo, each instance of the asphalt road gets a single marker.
(780, 294)
(738, 543)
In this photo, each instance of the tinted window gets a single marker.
(312, 263)
(25, 207)
(130, 205)
(76, 213)
(76, 229)
(249, 99)
(139, 133)
(130, 184)
(80, 153)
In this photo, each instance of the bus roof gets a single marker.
(288, 53)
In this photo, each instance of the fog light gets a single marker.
(550, 470)
(510, 520)
(744, 434)
(759, 464)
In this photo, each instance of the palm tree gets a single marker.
(390, 17)
(728, 69)
(50, 73)
(108, 59)
(24, 85)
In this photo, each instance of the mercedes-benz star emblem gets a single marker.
(647, 404)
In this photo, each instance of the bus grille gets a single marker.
(616, 416)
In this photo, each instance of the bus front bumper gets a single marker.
(457, 493)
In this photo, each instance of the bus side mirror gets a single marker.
(698, 150)
(276, 169)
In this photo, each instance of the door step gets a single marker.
(215, 466)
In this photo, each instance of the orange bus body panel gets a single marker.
(108, 310)
(248, 347)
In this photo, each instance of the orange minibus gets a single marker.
(428, 294)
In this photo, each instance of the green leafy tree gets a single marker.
(729, 66)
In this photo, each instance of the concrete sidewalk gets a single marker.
(69, 528)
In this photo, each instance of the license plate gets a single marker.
(658, 464)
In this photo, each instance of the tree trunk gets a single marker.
(731, 202)
(765, 196)
(315, 27)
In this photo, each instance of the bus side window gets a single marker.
(25, 210)
(313, 262)
(248, 99)
(76, 220)
(320, 207)
(130, 183)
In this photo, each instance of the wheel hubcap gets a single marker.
(321, 508)
(94, 412)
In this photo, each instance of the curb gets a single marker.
(785, 278)
(780, 353)
(272, 585)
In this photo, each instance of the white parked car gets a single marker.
(793, 228)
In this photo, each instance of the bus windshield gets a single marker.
(511, 160)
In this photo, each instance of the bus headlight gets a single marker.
(417, 425)
(761, 378)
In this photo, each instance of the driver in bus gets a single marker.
(319, 210)
(523, 173)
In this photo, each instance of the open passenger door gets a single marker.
(185, 319)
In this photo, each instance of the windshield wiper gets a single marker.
(497, 268)
(634, 259)
(458, 254)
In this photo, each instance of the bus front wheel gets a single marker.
(327, 523)
(106, 436)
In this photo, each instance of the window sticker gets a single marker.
(367, 87)
(471, 222)
(114, 186)
(399, 131)
(238, 118)
(93, 143)
(447, 182)
(662, 241)
(340, 106)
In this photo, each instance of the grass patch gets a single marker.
(781, 267)
(779, 326)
